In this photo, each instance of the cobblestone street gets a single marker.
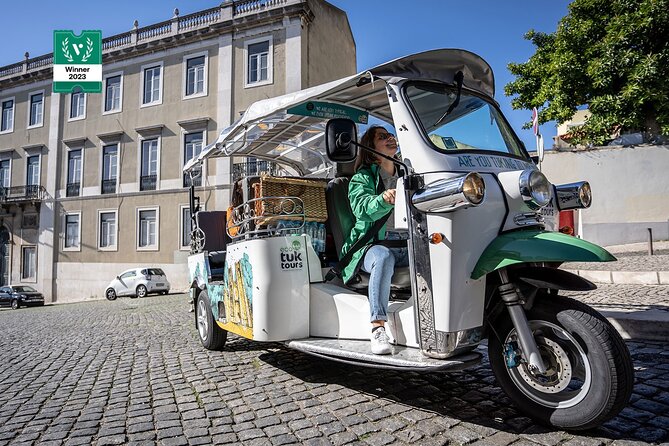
(133, 371)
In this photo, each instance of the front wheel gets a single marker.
(211, 335)
(141, 291)
(15, 304)
(589, 374)
(110, 294)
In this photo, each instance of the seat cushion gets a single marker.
(401, 280)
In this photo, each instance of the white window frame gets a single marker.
(158, 101)
(139, 161)
(30, 99)
(270, 61)
(7, 156)
(205, 90)
(155, 247)
(24, 278)
(67, 169)
(2, 101)
(39, 168)
(83, 116)
(183, 151)
(99, 230)
(71, 248)
(104, 93)
(181, 227)
(103, 144)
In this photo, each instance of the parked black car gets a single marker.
(17, 296)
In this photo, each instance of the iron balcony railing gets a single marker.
(148, 182)
(197, 181)
(253, 168)
(109, 186)
(18, 194)
(72, 189)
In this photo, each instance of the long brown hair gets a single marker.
(365, 158)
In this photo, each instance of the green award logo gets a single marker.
(77, 61)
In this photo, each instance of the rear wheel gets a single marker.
(589, 374)
(15, 304)
(211, 335)
(141, 291)
(110, 294)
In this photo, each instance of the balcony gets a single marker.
(22, 194)
(72, 189)
(197, 181)
(253, 168)
(109, 186)
(148, 182)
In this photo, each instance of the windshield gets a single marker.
(24, 289)
(472, 124)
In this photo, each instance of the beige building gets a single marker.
(92, 184)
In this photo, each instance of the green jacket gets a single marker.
(367, 207)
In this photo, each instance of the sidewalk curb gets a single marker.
(624, 277)
(645, 324)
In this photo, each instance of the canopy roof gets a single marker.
(270, 129)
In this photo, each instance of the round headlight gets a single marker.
(585, 194)
(473, 188)
(535, 189)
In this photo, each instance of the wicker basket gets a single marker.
(311, 192)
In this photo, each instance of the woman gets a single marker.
(371, 193)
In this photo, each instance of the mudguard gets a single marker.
(531, 246)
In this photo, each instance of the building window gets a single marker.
(112, 93)
(28, 262)
(152, 85)
(36, 110)
(195, 76)
(192, 148)
(4, 174)
(147, 229)
(72, 231)
(32, 174)
(7, 120)
(186, 227)
(77, 105)
(107, 237)
(109, 168)
(73, 173)
(258, 62)
(149, 163)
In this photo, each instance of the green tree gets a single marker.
(612, 55)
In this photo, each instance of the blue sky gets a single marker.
(383, 30)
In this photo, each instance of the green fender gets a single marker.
(526, 246)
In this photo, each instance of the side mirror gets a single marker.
(340, 137)
(118, 277)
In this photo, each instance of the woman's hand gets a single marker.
(389, 196)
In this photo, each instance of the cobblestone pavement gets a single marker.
(631, 296)
(633, 257)
(133, 372)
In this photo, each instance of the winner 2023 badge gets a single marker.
(77, 61)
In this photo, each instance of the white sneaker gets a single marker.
(380, 342)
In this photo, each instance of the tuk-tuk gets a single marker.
(483, 248)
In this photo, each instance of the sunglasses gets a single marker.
(384, 136)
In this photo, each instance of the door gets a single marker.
(4, 256)
(5, 296)
(126, 283)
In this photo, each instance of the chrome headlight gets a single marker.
(574, 195)
(535, 189)
(450, 194)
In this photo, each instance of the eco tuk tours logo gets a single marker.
(77, 61)
(291, 256)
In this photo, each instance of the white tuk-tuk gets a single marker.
(483, 250)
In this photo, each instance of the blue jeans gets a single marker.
(380, 262)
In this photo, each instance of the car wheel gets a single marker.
(211, 335)
(166, 292)
(15, 304)
(110, 294)
(141, 291)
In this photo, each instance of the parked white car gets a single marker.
(138, 282)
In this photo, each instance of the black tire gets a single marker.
(211, 335)
(141, 291)
(590, 371)
(110, 294)
(15, 304)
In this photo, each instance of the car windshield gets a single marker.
(471, 124)
(24, 289)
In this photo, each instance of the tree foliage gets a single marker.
(612, 55)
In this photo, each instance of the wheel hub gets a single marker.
(558, 368)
